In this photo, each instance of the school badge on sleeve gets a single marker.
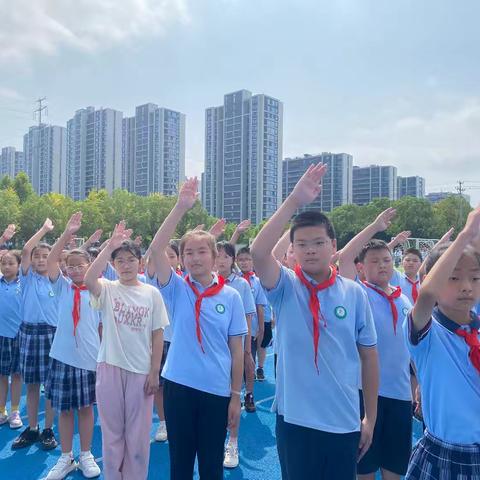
(340, 312)
(220, 308)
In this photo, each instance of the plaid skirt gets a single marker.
(434, 459)
(69, 388)
(9, 356)
(35, 341)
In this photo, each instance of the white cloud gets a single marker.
(10, 94)
(44, 27)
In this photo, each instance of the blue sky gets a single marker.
(389, 82)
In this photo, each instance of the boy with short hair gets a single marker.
(325, 333)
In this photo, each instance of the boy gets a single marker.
(325, 333)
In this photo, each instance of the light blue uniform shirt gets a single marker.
(326, 400)
(400, 280)
(167, 331)
(393, 354)
(243, 288)
(221, 317)
(81, 350)
(10, 307)
(449, 383)
(39, 302)
(259, 298)
(477, 309)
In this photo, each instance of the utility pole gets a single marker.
(40, 109)
(460, 188)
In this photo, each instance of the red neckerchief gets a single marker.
(247, 276)
(76, 305)
(209, 292)
(179, 272)
(414, 288)
(314, 302)
(471, 339)
(391, 300)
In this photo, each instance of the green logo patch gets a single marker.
(220, 308)
(405, 310)
(51, 294)
(340, 312)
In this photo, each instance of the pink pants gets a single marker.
(126, 418)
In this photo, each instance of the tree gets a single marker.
(450, 212)
(6, 182)
(23, 187)
(9, 209)
(348, 220)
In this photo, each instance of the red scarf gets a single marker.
(391, 300)
(209, 292)
(414, 288)
(247, 276)
(179, 272)
(76, 305)
(314, 303)
(471, 339)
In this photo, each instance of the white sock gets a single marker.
(163, 423)
(67, 454)
(233, 441)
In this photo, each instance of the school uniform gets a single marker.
(10, 320)
(392, 436)
(73, 355)
(198, 373)
(259, 299)
(39, 321)
(318, 371)
(410, 288)
(130, 314)
(450, 387)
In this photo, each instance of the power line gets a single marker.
(40, 109)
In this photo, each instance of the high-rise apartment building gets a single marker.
(374, 181)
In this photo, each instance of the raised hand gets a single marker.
(308, 187)
(47, 226)
(199, 227)
(95, 236)
(8, 233)
(384, 220)
(218, 228)
(138, 240)
(188, 194)
(74, 224)
(446, 237)
(119, 235)
(472, 228)
(243, 226)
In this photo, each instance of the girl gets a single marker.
(161, 433)
(204, 368)
(133, 318)
(10, 320)
(39, 308)
(225, 267)
(444, 342)
(71, 379)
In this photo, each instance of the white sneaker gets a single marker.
(231, 456)
(3, 418)
(88, 465)
(64, 466)
(161, 433)
(14, 420)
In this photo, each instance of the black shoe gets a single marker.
(47, 439)
(260, 374)
(249, 403)
(26, 438)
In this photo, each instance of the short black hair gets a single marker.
(79, 252)
(174, 246)
(312, 218)
(227, 247)
(93, 252)
(373, 244)
(435, 254)
(130, 247)
(413, 251)
(16, 254)
(40, 245)
(244, 250)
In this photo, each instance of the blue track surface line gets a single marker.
(257, 446)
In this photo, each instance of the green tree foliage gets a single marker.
(20, 205)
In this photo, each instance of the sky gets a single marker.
(392, 83)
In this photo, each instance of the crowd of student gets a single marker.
(186, 325)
